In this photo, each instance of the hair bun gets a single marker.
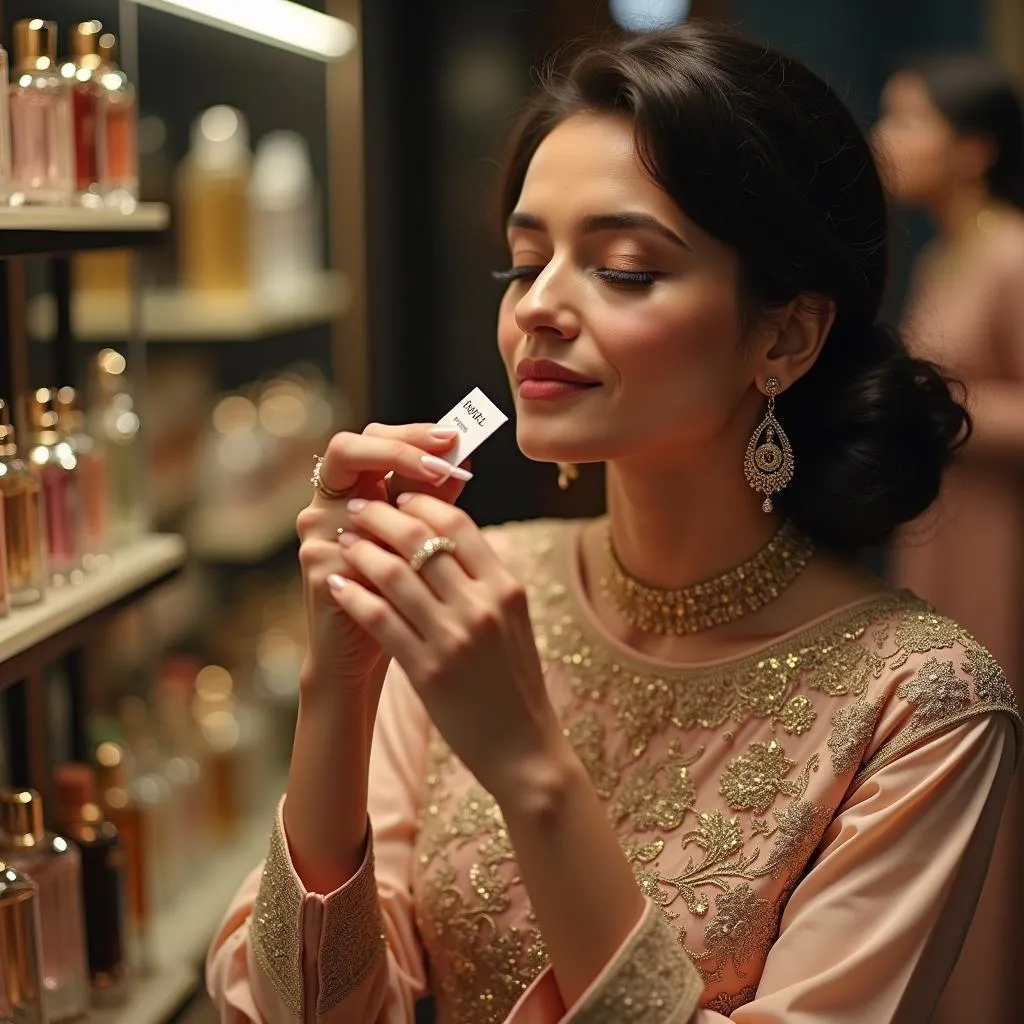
(871, 446)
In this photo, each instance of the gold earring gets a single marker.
(567, 472)
(769, 462)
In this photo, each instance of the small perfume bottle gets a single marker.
(5, 127)
(121, 169)
(23, 519)
(40, 107)
(92, 477)
(21, 963)
(126, 816)
(83, 73)
(99, 845)
(55, 866)
(56, 463)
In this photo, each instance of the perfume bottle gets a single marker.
(83, 73)
(124, 813)
(99, 845)
(21, 963)
(121, 144)
(114, 424)
(55, 866)
(92, 478)
(5, 127)
(23, 519)
(214, 203)
(56, 463)
(40, 108)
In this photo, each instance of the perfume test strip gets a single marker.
(476, 418)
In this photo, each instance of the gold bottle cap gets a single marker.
(8, 439)
(35, 44)
(21, 816)
(85, 44)
(42, 416)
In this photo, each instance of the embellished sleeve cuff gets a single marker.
(344, 928)
(651, 980)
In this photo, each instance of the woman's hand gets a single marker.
(460, 629)
(356, 465)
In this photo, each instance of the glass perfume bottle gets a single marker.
(92, 478)
(21, 962)
(99, 845)
(40, 108)
(5, 127)
(121, 128)
(23, 519)
(83, 73)
(55, 866)
(55, 462)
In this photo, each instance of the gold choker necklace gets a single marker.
(715, 602)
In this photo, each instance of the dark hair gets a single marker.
(978, 98)
(764, 156)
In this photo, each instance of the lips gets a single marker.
(548, 370)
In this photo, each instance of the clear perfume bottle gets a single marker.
(5, 127)
(21, 962)
(57, 465)
(99, 845)
(83, 73)
(53, 863)
(40, 108)
(121, 129)
(21, 493)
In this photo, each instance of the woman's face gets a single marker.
(915, 143)
(613, 285)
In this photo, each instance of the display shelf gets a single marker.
(155, 997)
(179, 315)
(249, 533)
(34, 636)
(33, 230)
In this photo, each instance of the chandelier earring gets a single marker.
(768, 464)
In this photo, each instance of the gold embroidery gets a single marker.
(651, 982)
(753, 780)
(852, 728)
(276, 925)
(922, 632)
(937, 692)
(797, 716)
(352, 943)
(651, 806)
(741, 931)
(727, 1003)
(989, 679)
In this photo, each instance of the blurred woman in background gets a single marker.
(951, 139)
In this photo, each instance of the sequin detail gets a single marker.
(352, 942)
(276, 926)
(651, 982)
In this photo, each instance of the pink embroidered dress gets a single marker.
(810, 823)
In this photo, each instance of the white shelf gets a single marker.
(155, 997)
(136, 567)
(250, 532)
(144, 218)
(171, 315)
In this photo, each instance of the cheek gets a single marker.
(508, 332)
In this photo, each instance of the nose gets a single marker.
(546, 310)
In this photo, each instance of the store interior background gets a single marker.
(404, 135)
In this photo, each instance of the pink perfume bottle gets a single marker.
(92, 478)
(57, 465)
(54, 865)
(40, 118)
(21, 978)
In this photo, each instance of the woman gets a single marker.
(771, 796)
(952, 133)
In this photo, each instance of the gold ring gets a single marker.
(317, 481)
(426, 551)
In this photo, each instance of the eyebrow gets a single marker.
(625, 221)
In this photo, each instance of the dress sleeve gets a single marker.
(284, 955)
(874, 927)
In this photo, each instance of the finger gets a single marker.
(377, 617)
(405, 535)
(475, 555)
(449, 492)
(392, 577)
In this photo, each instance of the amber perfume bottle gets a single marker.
(21, 493)
(53, 863)
(21, 962)
(83, 73)
(40, 108)
(121, 129)
(54, 460)
(82, 820)
(92, 478)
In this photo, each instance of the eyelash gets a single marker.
(635, 278)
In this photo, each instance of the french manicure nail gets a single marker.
(346, 539)
(336, 582)
(437, 468)
(458, 473)
(404, 498)
(356, 505)
(445, 433)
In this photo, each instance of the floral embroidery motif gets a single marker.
(937, 692)
(989, 679)
(741, 931)
(753, 780)
(852, 728)
(798, 716)
(922, 632)
(726, 1003)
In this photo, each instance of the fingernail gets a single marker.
(346, 539)
(336, 582)
(356, 505)
(437, 467)
(404, 498)
(445, 433)
(458, 473)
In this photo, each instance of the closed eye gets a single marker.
(635, 278)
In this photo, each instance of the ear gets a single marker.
(792, 338)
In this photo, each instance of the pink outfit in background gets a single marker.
(811, 825)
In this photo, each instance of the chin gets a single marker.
(541, 443)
